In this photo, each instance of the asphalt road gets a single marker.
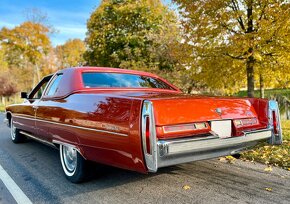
(36, 169)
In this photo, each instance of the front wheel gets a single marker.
(73, 164)
(15, 134)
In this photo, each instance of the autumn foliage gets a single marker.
(237, 42)
(211, 46)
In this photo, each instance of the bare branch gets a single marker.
(240, 57)
(236, 8)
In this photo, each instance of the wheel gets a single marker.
(73, 164)
(16, 136)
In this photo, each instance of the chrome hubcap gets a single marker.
(69, 158)
(13, 131)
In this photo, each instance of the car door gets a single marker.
(27, 110)
(46, 108)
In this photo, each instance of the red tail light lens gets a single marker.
(148, 146)
(275, 122)
(185, 127)
(245, 122)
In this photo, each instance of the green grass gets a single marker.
(277, 155)
(2, 108)
(268, 93)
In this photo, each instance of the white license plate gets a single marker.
(223, 128)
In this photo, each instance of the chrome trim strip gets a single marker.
(150, 159)
(73, 126)
(37, 139)
(184, 146)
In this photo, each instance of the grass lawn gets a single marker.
(2, 108)
(277, 155)
(268, 93)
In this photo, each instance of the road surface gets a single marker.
(36, 170)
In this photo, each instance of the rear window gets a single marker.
(116, 80)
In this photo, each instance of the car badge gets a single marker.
(249, 113)
(218, 111)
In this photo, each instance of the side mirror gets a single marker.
(24, 95)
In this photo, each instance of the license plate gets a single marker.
(223, 128)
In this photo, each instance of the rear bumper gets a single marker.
(172, 152)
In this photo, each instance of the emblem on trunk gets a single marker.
(218, 111)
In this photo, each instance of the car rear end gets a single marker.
(176, 131)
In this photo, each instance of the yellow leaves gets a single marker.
(277, 155)
(31, 38)
(257, 56)
(268, 169)
(71, 53)
(268, 189)
(229, 159)
(186, 187)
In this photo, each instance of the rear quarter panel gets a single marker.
(110, 132)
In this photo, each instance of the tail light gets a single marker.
(275, 128)
(274, 122)
(174, 131)
(245, 122)
(147, 134)
(185, 128)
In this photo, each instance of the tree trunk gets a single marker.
(37, 73)
(250, 76)
(3, 100)
(251, 60)
(262, 89)
(189, 90)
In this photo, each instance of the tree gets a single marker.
(7, 88)
(238, 38)
(71, 53)
(134, 34)
(3, 63)
(26, 45)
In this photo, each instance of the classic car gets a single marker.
(136, 121)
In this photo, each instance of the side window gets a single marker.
(38, 93)
(52, 89)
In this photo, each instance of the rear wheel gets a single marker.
(73, 164)
(15, 134)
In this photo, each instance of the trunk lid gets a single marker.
(188, 109)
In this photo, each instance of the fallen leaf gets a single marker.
(222, 159)
(230, 158)
(186, 187)
(288, 169)
(280, 156)
(268, 189)
(268, 169)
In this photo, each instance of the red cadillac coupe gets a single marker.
(136, 121)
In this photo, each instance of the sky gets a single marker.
(68, 17)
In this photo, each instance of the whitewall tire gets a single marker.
(15, 134)
(73, 164)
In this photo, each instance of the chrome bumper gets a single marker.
(172, 152)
